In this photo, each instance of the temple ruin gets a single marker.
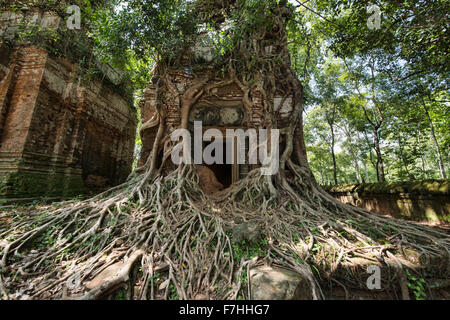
(222, 108)
(58, 135)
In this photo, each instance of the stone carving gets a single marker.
(208, 181)
(218, 116)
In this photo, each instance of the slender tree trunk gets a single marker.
(331, 120)
(371, 146)
(422, 156)
(433, 135)
(358, 171)
(380, 165)
(353, 155)
(333, 155)
(366, 172)
(403, 159)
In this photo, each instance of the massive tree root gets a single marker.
(166, 240)
(158, 236)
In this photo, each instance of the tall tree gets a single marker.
(433, 135)
(162, 221)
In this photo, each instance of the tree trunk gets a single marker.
(402, 158)
(422, 156)
(330, 121)
(366, 172)
(357, 171)
(333, 155)
(433, 135)
(380, 165)
(354, 156)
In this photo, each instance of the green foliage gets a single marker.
(408, 148)
(417, 285)
(173, 294)
(246, 251)
(121, 295)
(379, 78)
(32, 184)
(359, 84)
(146, 27)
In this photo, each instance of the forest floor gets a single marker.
(331, 290)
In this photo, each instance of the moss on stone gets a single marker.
(413, 200)
(33, 184)
(343, 188)
(437, 187)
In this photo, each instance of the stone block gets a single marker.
(270, 283)
(55, 132)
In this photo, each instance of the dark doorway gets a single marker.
(223, 172)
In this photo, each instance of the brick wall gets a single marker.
(56, 135)
(224, 99)
(419, 201)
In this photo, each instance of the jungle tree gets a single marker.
(161, 223)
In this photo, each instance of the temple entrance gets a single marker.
(226, 174)
(223, 173)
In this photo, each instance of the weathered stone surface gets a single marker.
(96, 182)
(268, 283)
(248, 231)
(54, 132)
(218, 115)
(415, 200)
(113, 75)
(221, 107)
(10, 21)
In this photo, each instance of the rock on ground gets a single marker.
(270, 283)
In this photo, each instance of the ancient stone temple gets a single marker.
(223, 107)
(58, 135)
(223, 111)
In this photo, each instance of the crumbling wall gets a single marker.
(221, 108)
(59, 135)
(416, 200)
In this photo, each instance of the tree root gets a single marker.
(122, 276)
(181, 241)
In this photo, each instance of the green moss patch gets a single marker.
(435, 187)
(34, 184)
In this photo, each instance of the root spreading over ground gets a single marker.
(158, 236)
(168, 240)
